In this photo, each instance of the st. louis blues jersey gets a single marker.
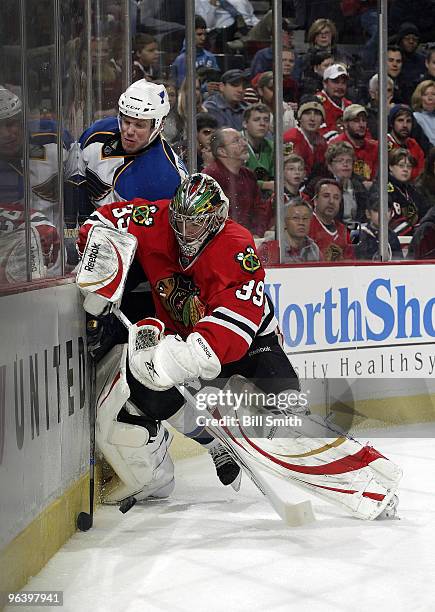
(106, 173)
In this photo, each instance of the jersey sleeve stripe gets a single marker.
(269, 322)
(224, 317)
(237, 317)
(247, 337)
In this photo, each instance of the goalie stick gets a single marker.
(85, 520)
(292, 514)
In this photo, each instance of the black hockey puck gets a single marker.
(127, 504)
(84, 521)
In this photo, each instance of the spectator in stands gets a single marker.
(366, 149)
(322, 36)
(312, 78)
(294, 174)
(400, 119)
(425, 183)
(421, 14)
(182, 107)
(174, 124)
(263, 59)
(340, 158)
(365, 15)
(298, 246)
(256, 124)
(423, 104)
(222, 17)
(230, 152)
(368, 245)
(206, 125)
(305, 139)
(332, 96)
(331, 236)
(145, 58)
(265, 93)
(422, 245)
(227, 105)
(394, 68)
(290, 87)
(372, 107)
(408, 205)
(203, 56)
(430, 63)
(413, 62)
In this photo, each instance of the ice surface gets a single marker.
(210, 549)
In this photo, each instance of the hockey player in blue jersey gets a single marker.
(125, 157)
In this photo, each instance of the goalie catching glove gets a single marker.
(160, 362)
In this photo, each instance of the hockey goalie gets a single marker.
(214, 325)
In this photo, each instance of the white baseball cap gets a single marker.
(335, 71)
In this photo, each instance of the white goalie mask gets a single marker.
(197, 212)
(10, 104)
(145, 100)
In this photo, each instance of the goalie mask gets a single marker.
(145, 100)
(197, 212)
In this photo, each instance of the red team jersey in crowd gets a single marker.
(414, 148)
(296, 142)
(334, 244)
(333, 112)
(366, 157)
(220, 294)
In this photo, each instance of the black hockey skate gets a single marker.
(228, 471)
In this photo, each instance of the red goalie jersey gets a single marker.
(220, 294)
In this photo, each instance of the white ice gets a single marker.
(208, 548)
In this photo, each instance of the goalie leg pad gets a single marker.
(313, 456)
(141, 462)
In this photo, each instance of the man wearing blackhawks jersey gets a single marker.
(331, 236)
(332, 96)
(208, 288)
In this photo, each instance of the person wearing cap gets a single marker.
(413, 66)
(305, 139)
(204, 58)
(263, 58)
(366, 149)
(227, 105)
(400, 123)
(264, 87)
(332, 97)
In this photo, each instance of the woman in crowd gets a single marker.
(408, 206)
(423, 104)
(425, 183)
(340, 157)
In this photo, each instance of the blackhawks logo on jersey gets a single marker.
(180, 298)
(143, 214)
(248, 260)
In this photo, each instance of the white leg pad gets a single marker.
(142, 465)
